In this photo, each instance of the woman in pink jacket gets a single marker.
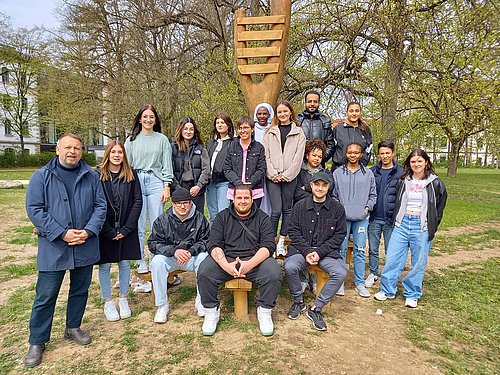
(284, 144)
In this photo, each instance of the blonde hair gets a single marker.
(125, 171)
(293, 117)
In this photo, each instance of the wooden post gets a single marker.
(240, 288)
(276, 38)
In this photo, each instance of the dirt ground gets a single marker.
(358, 341)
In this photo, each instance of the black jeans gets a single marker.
(266, 275)
(281, 198)
(48, 286)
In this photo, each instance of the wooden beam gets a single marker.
(258, 68)
(244, 53)
(245, 36)
(260, 20)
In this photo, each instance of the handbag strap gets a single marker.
(250, 233)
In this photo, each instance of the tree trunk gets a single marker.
(453, 158)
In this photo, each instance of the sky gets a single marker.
(31, 13)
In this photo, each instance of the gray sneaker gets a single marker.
(370, 280)
(362, 291)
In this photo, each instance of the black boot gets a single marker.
(34, 356)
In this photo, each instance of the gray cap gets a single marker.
(321, 176)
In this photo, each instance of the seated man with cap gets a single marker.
(317, 229)
(178, 241)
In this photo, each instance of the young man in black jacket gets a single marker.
(179, 242)
(241, 245)
(317, 229)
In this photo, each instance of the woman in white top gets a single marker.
(420, 201)
(262, 117)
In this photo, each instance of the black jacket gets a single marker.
(217, 172)
(255, 167)
(170, 233)
(436, 201)
(128, 247)
(329, 226)
(228, 234)
(389, 190)
(317, 125)
(303, 188)
(343, 134)
(199, 161)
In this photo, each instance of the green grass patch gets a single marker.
(23, 236)
(13, 271)
(474, 241)
(7, 362)
(16, 174)
(457, 320)
(129, 339)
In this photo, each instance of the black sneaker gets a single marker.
(296, 309)
(316, 318)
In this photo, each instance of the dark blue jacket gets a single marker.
(389, 191)
(48, 208)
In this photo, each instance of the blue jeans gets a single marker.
(375, 229)
(48, 286)
(105, 278)
(407, 235)
(216, 198)
(162, 265)
(359, 229)
(152, 188)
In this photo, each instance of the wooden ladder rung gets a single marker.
(246, 36)
(243, 53)
(260, 20)
(258, 68)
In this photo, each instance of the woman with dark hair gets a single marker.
(284, 144)
(420, 201)
(222, 134)
(245, 161)
(352, 130)
(150, 154)
(191, 162)
(119, 238)
(314, 152)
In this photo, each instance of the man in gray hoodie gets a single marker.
(355, 189)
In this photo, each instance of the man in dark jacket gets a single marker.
(387, 173)
(178, 241)
(241, 245)
(66, 204)
(317, 229)
(317, 125)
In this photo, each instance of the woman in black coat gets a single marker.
(119, 238)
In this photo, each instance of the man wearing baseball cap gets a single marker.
(179, 242)
(317, 229)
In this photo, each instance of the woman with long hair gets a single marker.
(191, 162)
(222, 134)
(119, 237)
(245, 161)
(420, 201)
(352, 130)
(284, 145)
(150, 154)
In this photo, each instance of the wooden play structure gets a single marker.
(260, 48)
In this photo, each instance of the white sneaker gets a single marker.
(410, 302)
(161, 314)
(265, 319)
(370, 280)
(362, 291)
(145, 287)
(142, 266)
(381, 296)
(200, 310)
(280, 249)
(210, 322)
(341, 291)
(110, 311)
(124, 308)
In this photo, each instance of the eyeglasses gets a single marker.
(182, 203)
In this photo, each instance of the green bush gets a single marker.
(13, 159)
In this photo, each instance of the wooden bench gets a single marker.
(147, 277)
(240, 289)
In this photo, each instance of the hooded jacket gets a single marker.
(228, 233)
(200, 164)
(355, 191)
(170, 233)
(49, 209)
